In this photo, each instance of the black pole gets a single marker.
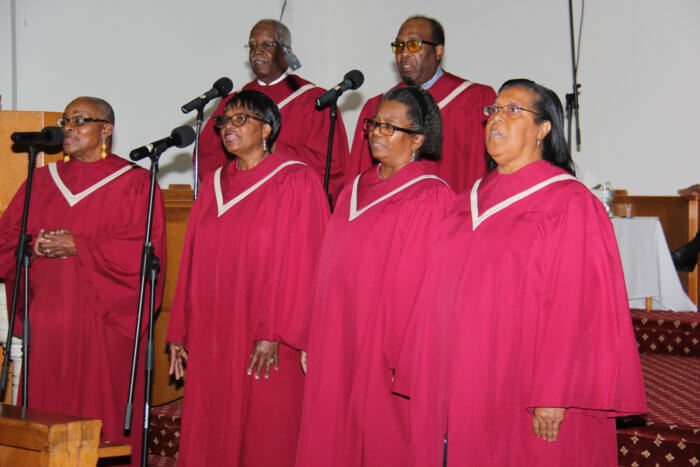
(23, 260)
(569, 113)
(572, 98)
(198, 131)
(26, 330)
(150, 265)
(150, 361)
(329, 152)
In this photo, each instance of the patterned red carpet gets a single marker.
(667, 333)
(669, 344)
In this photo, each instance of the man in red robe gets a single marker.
(305, 130)
(523, 308)
(461, 102)
(249, 257)
(83, 306)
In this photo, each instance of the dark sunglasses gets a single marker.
(413, 45)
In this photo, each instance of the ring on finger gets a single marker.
(272, 360)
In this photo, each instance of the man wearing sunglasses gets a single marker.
(419, 47)
(304, 132)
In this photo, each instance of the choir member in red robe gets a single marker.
(526, 351)
(88, 218)
(367, 280)
(240, 311)
(304, 133)
(419, 48)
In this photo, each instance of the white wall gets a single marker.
(6, 54)
(639, 65)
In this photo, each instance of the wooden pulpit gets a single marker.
(13, 165)
(178, 203)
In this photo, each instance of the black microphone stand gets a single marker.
(329, 152)
(572, 104)
(24, 257)
(198, 130)
(150, 266)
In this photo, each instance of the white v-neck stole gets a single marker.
(354, 212)
(223, 207)
(455, 92)
(474, 201)
(73, 199)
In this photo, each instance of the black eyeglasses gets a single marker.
(78, 120)
(511, 110)
(265, 45)
(237, 120)
(387, 129)
(413, 45)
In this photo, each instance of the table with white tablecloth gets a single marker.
(647, 265)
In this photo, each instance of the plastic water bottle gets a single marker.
(608, 198)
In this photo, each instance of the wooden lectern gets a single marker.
(30, 437)
(13, 165)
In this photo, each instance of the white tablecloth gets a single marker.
(647, 265)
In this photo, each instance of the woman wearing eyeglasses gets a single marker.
(240, 310)
(369, 272)
(526, 349)
(87, 219)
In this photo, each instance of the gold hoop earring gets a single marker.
(104, 150)
(66, 158)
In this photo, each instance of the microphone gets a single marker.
(49, 136)
(352, 80)
(290, 58)
(221, 88)
(181, 137)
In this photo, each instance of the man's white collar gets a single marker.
(278, 80)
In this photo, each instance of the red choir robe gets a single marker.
(463, 157)
(83, 308)
(248, 261)
(523, 305)
(303, 135)
(367, 280)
